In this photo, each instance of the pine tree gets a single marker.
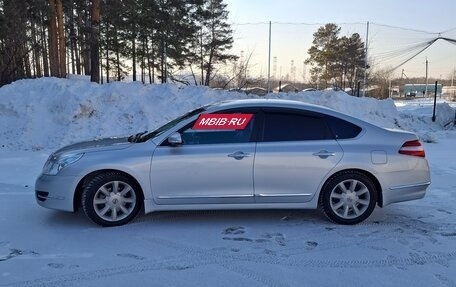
(215, 37)
(323, 54)
(53, 40)
(95, 42)
(83, 29)
(112, 40)
(61, 38)
(336, 59)
(175, 32)
(352, 56)
(36, 10)
(14, 41)
(155, 37)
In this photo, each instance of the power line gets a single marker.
(297, 23)
(453, 41)
(406, 29)
(394, 54)
(316, 24)
(344, 23)
(251, 23)
(419, 52)
(449, 30)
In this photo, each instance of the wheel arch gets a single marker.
(372, 177)
(80, 186)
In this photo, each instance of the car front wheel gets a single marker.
(111, 199)
(348, 197)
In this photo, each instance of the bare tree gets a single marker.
(240, 72)
(381, 78)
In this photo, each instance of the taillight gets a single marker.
(413, 148)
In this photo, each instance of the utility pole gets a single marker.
(435, 101)
(165, 77)
(365, 61)
(390, 89)
(303, 72)
(201, 55)
(452, 87)
(452, 76)
(269, 60)
(426, 89)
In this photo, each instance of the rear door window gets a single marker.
(284, 126)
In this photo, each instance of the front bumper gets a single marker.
(56, 191)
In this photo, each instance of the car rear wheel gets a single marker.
(348, 197)
(111, 199)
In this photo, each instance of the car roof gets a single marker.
(284, 104)
(268, 103)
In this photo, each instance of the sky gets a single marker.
(294, 22)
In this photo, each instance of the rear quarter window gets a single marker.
(343, 129)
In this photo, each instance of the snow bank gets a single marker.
(417, 117)
(47, 113)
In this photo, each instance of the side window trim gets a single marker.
(293, 111)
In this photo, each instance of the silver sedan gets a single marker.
(287, 155)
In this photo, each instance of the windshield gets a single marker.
(172, 123)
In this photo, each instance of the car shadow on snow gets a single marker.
(263, 219)
(221, 216)
(60, 219)
(67, 219)
(407, 216)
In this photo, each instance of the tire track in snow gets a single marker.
(245, 272)
(445, 281)
(195, 257)
(217, 256)
(69, 279)
(259, 257)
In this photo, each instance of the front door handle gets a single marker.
(324, 154)
(239, 155)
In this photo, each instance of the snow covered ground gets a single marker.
(405, 244)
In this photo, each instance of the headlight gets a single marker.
(56, 163)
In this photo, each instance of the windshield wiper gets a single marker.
(136, 138)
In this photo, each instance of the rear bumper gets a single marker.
(405, 192)
(55, 192)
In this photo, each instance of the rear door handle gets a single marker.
(324, 154)
(239, 155)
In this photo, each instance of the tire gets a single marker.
(348, 197)
(111, 199)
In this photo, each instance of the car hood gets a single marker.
(104, 144)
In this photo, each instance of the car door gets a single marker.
(211, 166)
(296, 151)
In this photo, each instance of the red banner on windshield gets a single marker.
(222, 121)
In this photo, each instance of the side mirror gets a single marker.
(175, 139)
